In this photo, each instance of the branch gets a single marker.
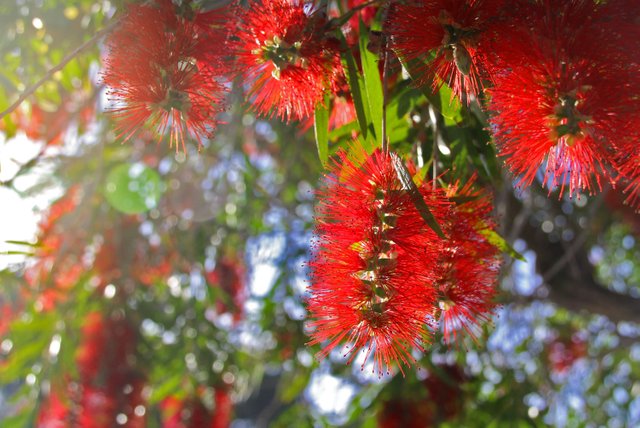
(83, 47)
(568, 273)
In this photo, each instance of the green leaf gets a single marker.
(133, 188)
(372, 83)
(321, 129)
(500, 243)
(450, 106)
(24, 243)
(416, 196)
(358, 93)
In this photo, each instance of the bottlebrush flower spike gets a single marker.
(370, 287)
(560, 104)
(163, 70)
(454, 30)
(468, 266)
(286, 56)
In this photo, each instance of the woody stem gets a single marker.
(77, 51)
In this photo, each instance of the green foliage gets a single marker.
(133, 188)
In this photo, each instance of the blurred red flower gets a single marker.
(229, 279)
(163, 67)
(193, 413)
(286, 56)
(438, 398)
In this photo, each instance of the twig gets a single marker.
(31, 89)
(575, 245)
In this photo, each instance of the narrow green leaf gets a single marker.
(16, 253)
(500, 243)
(321, 129)
(358, 95)
(25, 243)
(416, 196)
(372, 83)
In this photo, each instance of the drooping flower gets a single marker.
(371, 289)
(453, 30)
(561, 103)
(468, 265)
(286, 56)
(163, 70)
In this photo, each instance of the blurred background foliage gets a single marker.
(173, 283)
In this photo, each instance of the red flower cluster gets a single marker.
(229, 279)
(438, 398)
(456, 30)
(163, 68)
(58, 257)
(381, 273)
(108, 385)
(286, 55)
(563, 352)
(559, 101)
(193, 413)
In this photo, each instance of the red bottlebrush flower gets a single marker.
(370, 289)
(96, 408)
(57, 261)
(562, 102)
(109, 382)
(444, 400)
(468, 266)
(628, 165)
(54, 412)
(286, 56)
(107, 347)
(163, 70)
(562, 353)
(454, 29)
(229, 276)
(92, 348)
(192, 412)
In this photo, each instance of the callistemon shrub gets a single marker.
(162, 71)
(381, 277)
(286, 55)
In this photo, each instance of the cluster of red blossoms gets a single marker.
(163, 71)
(167, 64)
(561, 77)
(382, 278)
(109, 387)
